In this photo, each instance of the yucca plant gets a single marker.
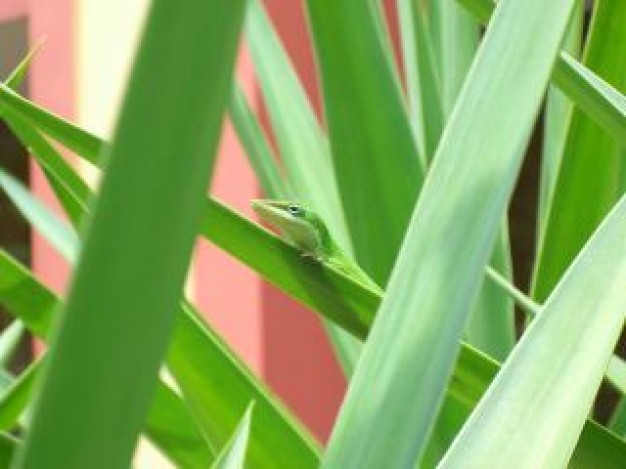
(411, 171)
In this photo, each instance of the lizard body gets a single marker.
(305, 230)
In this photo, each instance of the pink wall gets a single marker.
(10, 9)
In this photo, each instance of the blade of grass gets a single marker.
(168, 427)
(616, 374)
(412, 346)
(618, 419)
(17, 397)
(375, 157)
(276, 438)
(51, 162)
(56, 232)
(257, 149)
(600, 101)
(17, 76)
(137, 239)
(580, 202)
(233, 455)
(423, 81)
(459, 41)
(570, 341)
(491, 323)
(8, 447)
(556, 124)
(9, 341)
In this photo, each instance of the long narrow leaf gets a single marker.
(422, 73)
(601, 102)
(9, 341)
(570, 341)
(8, 447)
(580, 202)
(618, 419)
(257, 148)
(413, 344)
(375, 157)
(273, 440)
(130, 238)
(459, 41)
(233, 455)
(558, 113)
(59, 234)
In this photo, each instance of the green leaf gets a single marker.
(17, 76)
(219, 396)
(131, 247)
(83, 142)
(413, 343)
(376, 160)
(422, 73)
(9, 341)
(34, 304)
(69, 187)
(618, 419)
(580, 202)
(459, 41)
(570, 341)
(257, 149)
(8, 447)
(616, 374)
(59, 234)
(233, 455)
(169, 427)
(558, 113)
(491, 325)
(599, 100)
(17, 397)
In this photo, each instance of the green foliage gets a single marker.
(412, 169)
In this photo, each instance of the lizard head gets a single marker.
(298, 224)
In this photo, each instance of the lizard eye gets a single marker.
(294, 210)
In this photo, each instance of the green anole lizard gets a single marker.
(305, 230)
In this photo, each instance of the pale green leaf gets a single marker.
(412, 346)
(556, 368)
(233, 455)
